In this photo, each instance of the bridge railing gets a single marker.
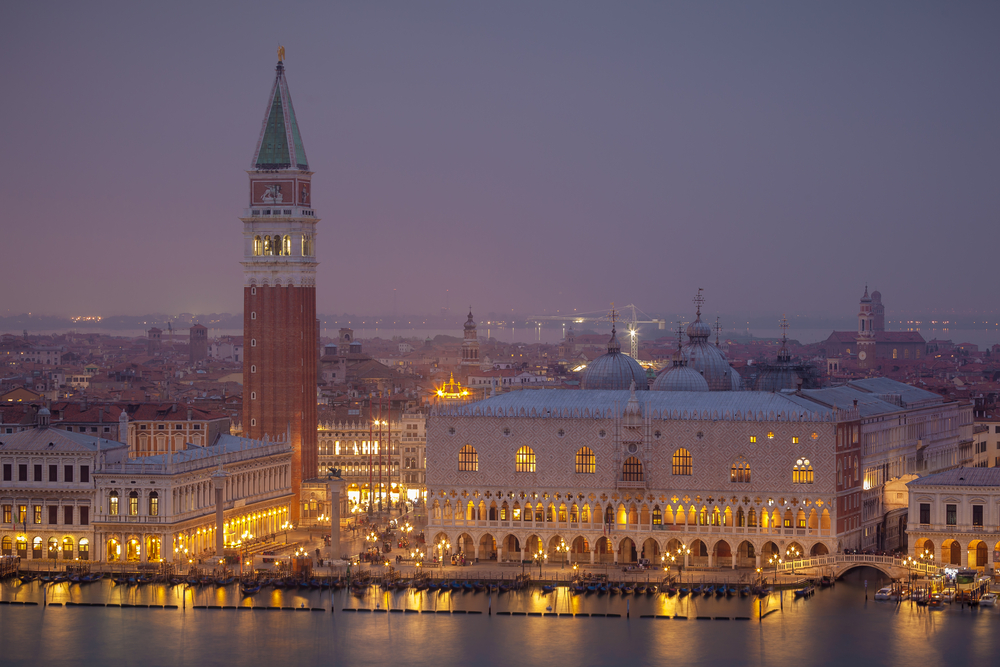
(850, 559)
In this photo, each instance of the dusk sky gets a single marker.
(531, 156)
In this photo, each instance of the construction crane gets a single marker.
(631, 320)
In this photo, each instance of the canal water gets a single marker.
(834, 627)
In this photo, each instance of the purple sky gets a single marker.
(534, 156)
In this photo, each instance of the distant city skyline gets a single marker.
(519, 157)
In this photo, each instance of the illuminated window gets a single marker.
(258, 246)
(770, 435)
(268, 248)
(67, 548)
(154, 504)
(814, 436)
(84, 549)
(525, 460)
(682, 464)
(802, 472)
(895, 353)
(286, 245)
(632, 470)
(307, 245)
(753, 438)
(657, 516)
(586, 462)
(113, 502)
(468, 459)
(133, 503)
(795, 439)
(739, 473)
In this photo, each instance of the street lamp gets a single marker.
(682, 554)
(285, 526)
(791, 554)
(540, 557)
(563, 549)
(776, 561)
(442, 545)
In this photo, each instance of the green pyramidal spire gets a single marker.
(280, 144)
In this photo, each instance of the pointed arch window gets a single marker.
(586, 462)
(468, 459)
(632, 470)
(682, 463)
(739, 473)
(802, 472)
(524, 460)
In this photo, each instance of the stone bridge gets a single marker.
(838, 564)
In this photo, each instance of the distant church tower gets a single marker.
(280, 333)
(878, 312)
(198, 343)
(470, 346)
(866, 332)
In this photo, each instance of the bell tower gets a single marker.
(866, 332)
(280, 335)
(470, 346)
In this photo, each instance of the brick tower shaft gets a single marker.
(280, 335)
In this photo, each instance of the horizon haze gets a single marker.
(519, 157)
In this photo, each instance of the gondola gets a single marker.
(745, 591)
(731, 591)
(628, 589)
(697, 590)
(682, 591)
(466, 586)
(249, 589)
(671, 591)
(826, 581)
(651, 590)
(805, 592)
(720, 591)
(708, 590)
(479, 586)
(548, 589)
(614, 589)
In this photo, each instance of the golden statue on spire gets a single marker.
(281, 54)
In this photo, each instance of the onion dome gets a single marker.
(470, 323)
(613, 370)
(679, 377)
(707, 359)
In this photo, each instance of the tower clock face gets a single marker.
(862, 355)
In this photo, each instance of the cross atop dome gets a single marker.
(698, 301)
